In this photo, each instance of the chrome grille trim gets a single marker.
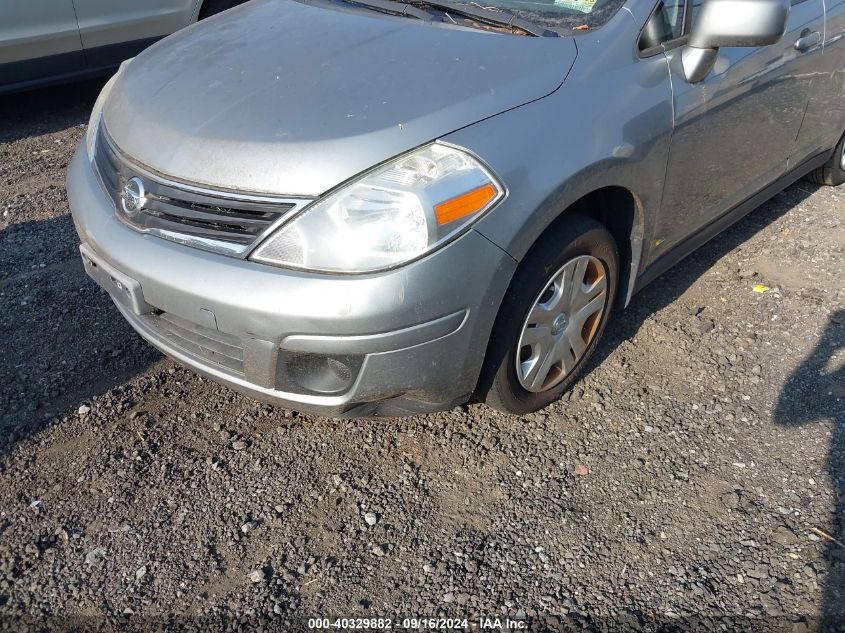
(219, 221)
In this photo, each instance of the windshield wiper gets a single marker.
(393, 7)
(497, 17)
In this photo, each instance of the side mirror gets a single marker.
(731, 23)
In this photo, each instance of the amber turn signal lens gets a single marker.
(464, 204)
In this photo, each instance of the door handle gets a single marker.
(807, 40)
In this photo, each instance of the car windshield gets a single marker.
(564, 16)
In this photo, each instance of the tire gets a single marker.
(832, 173)
(212, 7)
(574, 241)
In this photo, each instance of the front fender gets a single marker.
(609, 125)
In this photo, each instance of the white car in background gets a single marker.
(47, 41)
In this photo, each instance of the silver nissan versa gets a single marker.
(362, 207)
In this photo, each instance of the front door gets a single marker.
(38, 39)
(735, 131)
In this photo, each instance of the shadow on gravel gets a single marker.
(63, 341)
(47, 110)
(816, 393)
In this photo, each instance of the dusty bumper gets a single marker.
(414, 338)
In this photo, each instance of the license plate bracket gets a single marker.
(122, 288)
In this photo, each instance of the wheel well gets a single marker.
(615, 208)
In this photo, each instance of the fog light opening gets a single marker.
(317, 373)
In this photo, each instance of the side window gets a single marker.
(665, 24)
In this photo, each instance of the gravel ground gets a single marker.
(694, 478)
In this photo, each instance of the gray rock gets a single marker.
(784, 536)
(380, 550)
(256, 576)
(96, 556)
(758, 572)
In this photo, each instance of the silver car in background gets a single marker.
(45, 41)
(375, 207)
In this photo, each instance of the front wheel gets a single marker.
(551, 320)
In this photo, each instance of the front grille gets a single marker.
(222, 222)
(224, 350)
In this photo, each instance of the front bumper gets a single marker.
(414, 338)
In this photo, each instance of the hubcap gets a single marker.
(842, 160)
(561, 324)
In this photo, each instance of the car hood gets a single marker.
(279, 96)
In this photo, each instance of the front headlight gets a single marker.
(97, 112)
(388, 216)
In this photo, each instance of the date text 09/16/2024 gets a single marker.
(417, 624)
